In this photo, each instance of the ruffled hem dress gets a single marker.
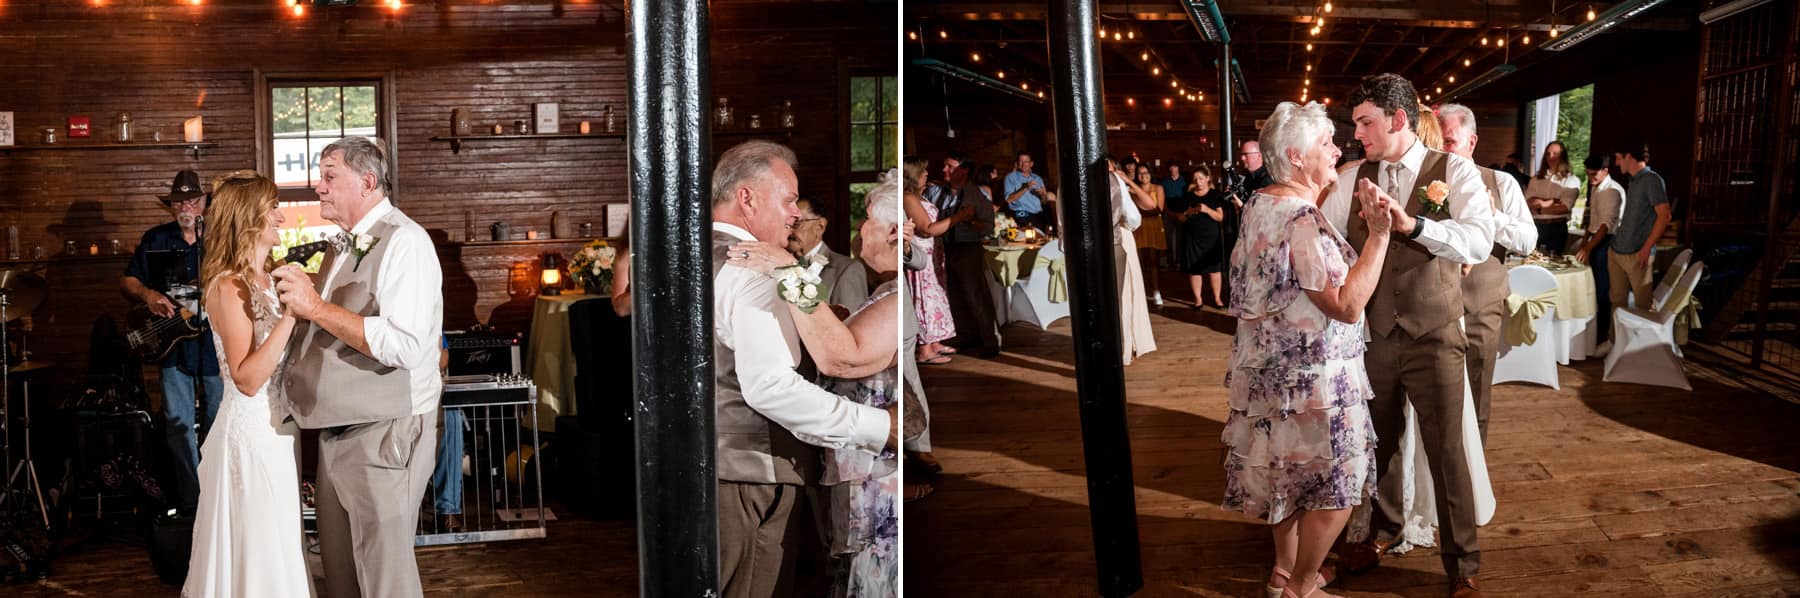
(1299, 436)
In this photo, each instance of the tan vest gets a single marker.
(329, 383)
(1486, 283)
(749, 445)
(1418, 292)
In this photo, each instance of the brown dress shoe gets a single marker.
(450, 523)
(1360, 557)
(1464, 588)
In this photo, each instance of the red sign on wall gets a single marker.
(78, 126)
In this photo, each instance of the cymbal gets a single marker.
(24, 292)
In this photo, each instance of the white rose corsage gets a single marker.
(800, 283)
(360, 248)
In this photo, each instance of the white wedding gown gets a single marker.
(247, 536)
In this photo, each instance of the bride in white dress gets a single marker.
(247, 538)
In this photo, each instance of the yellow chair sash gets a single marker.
(1522, 314)
(1059, 289)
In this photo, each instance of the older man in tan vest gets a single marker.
(363, 370)
(1485, 285)
(1442, 220)
(767, 416)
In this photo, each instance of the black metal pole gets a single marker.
(671, 299)
(1094, 301)
(1227, 144)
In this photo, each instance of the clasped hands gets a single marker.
(1382, 213)
(296, 291)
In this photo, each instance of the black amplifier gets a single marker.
(484, 353)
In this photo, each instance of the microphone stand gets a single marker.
(199, 377)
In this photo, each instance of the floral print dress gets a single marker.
(926, 288)
(1299, 434)
(865, 488)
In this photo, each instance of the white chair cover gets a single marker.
(1667, 284)
(1644, 349)
(1536, 362)
(1030, 300)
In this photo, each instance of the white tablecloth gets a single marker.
(1574, 336)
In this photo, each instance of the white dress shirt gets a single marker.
(1467, 237)
(750, 318)
(1513, 227)
(410, 291)
(1604, 206)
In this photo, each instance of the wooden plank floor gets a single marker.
(1603, 489)
(580, 557)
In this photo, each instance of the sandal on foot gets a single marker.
(914, 492)
(935, 360)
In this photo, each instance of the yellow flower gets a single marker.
(1437, 191)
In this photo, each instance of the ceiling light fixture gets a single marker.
(964, 74)
(1613, 17)
(1205, 16)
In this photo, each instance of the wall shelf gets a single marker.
(456, 142)
(194, 147)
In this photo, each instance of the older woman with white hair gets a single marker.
(1301, 444)
(859, 358)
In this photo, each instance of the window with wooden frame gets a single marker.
(873, 123)
(297, 116)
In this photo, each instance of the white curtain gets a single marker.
(1548, 109)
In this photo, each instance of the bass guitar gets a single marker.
(153, 336)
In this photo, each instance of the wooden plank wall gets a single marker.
(163, 62)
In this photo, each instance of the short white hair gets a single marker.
(1292, 126)
(883, 200)
(1464, 117)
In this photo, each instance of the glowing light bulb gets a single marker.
(1500, 42)
(1130, 101)
(1308, 68)
(299, 10)
(1484, 40)
(1526, 40)
(1552, 33)
(1116, 36)
(1002, 74)
(943, 34)
(1590, 12)
(1167, 102)
(1440, 90)
(1175, 84)
(912, 35)
(1131, 34)
(1452, 79)
(1156, 70)
(1309, 46)
(1025, 86)
(975, 56)
(1466, 62)
(1145, 56)
(1327, 7)
(1306, 82)
(1040, 93)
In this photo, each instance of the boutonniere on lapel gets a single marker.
(1432, 197)
(360, 246)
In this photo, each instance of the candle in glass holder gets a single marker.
(191, 131)
(584, 127)
(498, 129)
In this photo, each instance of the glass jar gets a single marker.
(520, 128)
(49, 135)
(756, 121)
(612, 123)
(124, 126)
(69, 248)
(787, 114)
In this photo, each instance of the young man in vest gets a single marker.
(1443, 219)
(1484, 285)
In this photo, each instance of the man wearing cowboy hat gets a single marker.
(191, 368)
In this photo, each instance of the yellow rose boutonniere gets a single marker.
(1432, 197)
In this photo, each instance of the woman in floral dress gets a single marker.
(1301, 445)
(927, 286)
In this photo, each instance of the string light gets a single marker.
(1040, 93)
(1168, 102)
(1309, 46)
(943, 34)
(1116, 36)
(1590, 12)
(1131, 101)
(1327, 101)
(1466, 62)
(1145, 56)
(1526, 40)
(1309, 68)
(1452, 80)
(912, 35)
(1553, 32)
(1427, 97)
(1320, 24)
(1002, 74)
(1440, 90)
(299, 10)
(1327, 7)
(1156, 70)
(975, 56)
(1175, 84)
(1102, 33)
(1130, 34)
(1025, 86)
(1484, 40)
(1306, 82)
(1500, 42)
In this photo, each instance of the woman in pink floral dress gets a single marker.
(1300, 439)
(926, 286)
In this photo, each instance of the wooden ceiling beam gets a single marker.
(1360, 44)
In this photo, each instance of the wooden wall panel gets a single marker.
(163, 62)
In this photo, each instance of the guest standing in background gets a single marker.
(1174, 191)
(1606, 199)
(1027, 199)
(965, 262)
(1202, 252)
(927, 286)
(1299, 436)
(1641, 225)
(1151, 240)
(1551, 197)
(1134, 309)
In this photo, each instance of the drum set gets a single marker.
(20, 293)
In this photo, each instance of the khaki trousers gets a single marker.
(758, 539)
(1428, 371)
(372, 478)
(1628, 280)
(1483, 331)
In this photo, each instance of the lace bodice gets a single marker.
(265, 311)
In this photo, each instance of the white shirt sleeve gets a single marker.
(1468, 235)
(1514, 228)
(1337, 203)
(765, 361)
(405, 335)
